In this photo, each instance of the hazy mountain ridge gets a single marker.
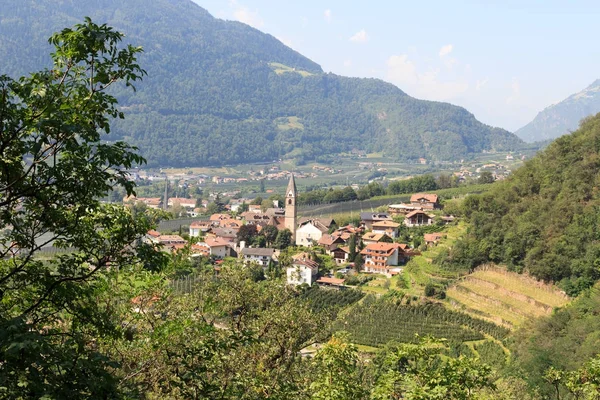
(213, 96)
(563, 117)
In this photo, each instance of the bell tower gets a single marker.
(290, 207)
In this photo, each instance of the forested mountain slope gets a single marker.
(545, 218)
(562, 118)
(222, 92)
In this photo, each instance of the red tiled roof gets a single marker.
(431, 198)
(413, 213)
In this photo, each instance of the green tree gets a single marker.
(270, 233)
(486, 177)
(284, 239)
(54, 167)
(336, 364)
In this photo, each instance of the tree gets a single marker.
(358, 262)
(54, 168)
(337, 366)
(284, 239)
(352, 247)
(246, 233)
(270, 233)
(486, 177)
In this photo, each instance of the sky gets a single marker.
(504, 61)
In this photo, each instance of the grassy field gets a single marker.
(282, 69)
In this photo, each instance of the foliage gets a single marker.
(55, 164)
(544, 218)
(419, 372)
(563, 340)
(283, 239)
(336, 366)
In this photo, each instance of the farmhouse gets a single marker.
(425, 201)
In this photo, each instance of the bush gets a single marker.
(429, 290)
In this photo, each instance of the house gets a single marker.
(310, 232)
(418, 218)
(218, 217)
(227, 234)
(331, 242)
(432, 238)
(198, 228)
(425, 201)
(302, 270)
(402, 209)
(367, 219)
(381, 257)
(234, 224)
(171, 239)
(341, 255)
(255, 208)
(185, 203)
(219, 247)
(152, 236)
(389, 228)
(372, 237)
(151, 202)
(259, 256)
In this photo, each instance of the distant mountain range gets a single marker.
(221, 92)
(564, 117)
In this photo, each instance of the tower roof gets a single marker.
(291, 186)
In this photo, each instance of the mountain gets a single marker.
(564, 117)
(221, 92)
(544, 219)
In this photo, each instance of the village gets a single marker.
(259, 236)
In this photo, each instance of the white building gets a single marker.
(259, 256)
(310, 232)
(303, 270)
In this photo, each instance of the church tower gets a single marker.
(290, 207)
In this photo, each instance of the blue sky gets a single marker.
(504, 61)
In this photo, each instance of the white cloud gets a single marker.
(404, 73)
(481, 83)
(360, 37)
(327, 15)
(449, 62)
(515, 94)
(245, 15)
(445, 50)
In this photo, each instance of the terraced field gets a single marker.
(504, 297)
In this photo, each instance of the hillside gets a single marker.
(564, 117)
(545, 218)
(220, 92)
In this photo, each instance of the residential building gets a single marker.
(310, 232)
(199, 228)
(418, 218)
(372, 237)
(302, 270)
(432, 238)
(219, 248)
(259, 256)
(382, 257)
(367, 219)
(389, 228)
(425, 201)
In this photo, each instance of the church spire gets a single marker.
(291, 188)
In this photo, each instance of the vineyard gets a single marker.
(326, 299)
(377, 322)
(504, 297)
